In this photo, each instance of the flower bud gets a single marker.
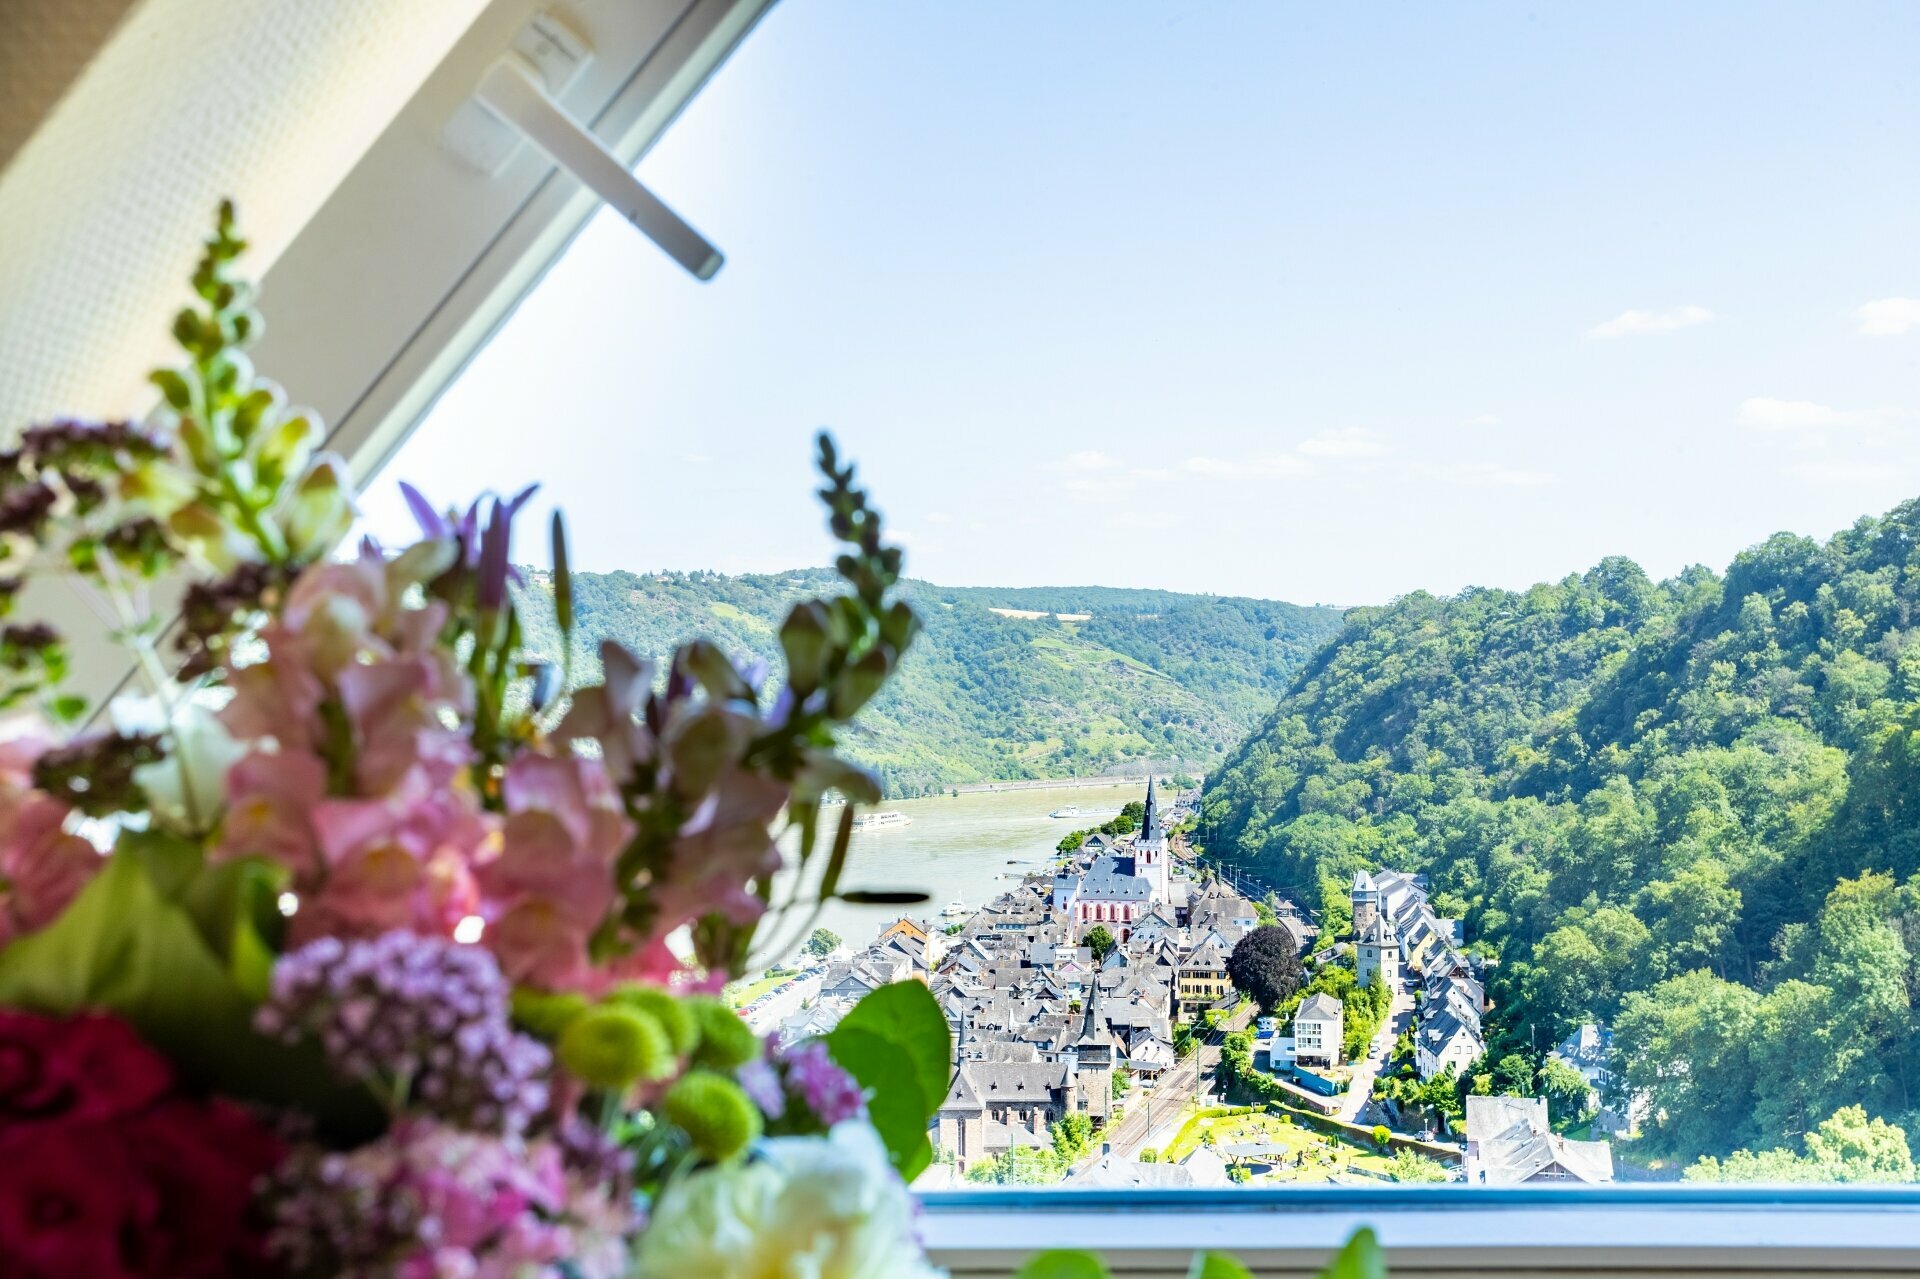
(546, 1015)
(857, 684)
(320, 510)
(682, 1028)
(613, 1048)
(715, 1113)
(726, 1042)
(804, 636)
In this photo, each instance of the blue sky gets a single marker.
(1305, 303)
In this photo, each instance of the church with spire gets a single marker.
(1121, 882)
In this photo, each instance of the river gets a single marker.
(958, 848)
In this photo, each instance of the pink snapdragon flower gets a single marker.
(548, 879)
(42, 865)
(271, 796)
(401, 861)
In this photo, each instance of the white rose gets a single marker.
(810, 1208)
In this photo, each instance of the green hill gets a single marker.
(1149, 676)
(1686, 808)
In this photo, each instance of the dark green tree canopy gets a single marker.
(1266, 965)
(1687, 810)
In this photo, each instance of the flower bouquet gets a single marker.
(370, 942)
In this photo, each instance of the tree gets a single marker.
(1100, 941)
(1688, 1044)
(1149, 1156)
(1513, 1076)
(822, 943)
(1569, 1095)
(1410, 1167)
(1846, 1147)
(1266, 965)
(1070, 1137)
(1381, 1134)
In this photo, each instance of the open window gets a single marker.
(1392, 820)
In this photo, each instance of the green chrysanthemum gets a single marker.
(716, 1115)
(726, 1042)
(673, 1014)
(613, 1047)
(545, 1015)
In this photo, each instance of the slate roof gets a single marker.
(1319, 1006)
(1113, 1172)
(1510, 1141)
(979, 1083)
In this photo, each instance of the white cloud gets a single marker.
(1770, 414)
(1266, 464)
(1635, 323)
(1889, 317)
(1346, 442)
(1483, 419)
(1496, 473)
(1151, 473)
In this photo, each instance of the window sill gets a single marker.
(1589, 1231)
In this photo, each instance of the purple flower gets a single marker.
(829, 1092)
(761, 1082)
(424, 1201)
(416, 1016)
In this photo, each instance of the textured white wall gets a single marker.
(103, 207)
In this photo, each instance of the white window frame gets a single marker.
(1644, 1231)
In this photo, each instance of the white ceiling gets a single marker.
(137, 119)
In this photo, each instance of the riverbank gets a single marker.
(967, 848)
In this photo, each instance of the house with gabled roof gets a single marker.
(1510, 1143)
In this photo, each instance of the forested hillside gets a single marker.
(1686, 809)
(1151, 676)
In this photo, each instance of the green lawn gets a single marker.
(1325, 1158)
(741, 994)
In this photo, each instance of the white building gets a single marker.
(1318, 1025)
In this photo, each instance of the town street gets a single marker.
(1360, 1089)
(783, 1005)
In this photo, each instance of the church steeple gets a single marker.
(1090, 1023)
(1150, 821)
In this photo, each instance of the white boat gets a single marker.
(881, 821)
(955, 907)
(1071, 810)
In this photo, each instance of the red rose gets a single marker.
(76, 1068)
(68, 1197)
(203, 1159)
(106, 1173)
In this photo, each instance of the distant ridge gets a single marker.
(1005, 683)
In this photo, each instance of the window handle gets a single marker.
(512, 92)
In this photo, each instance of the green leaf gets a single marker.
(896, 1103)
(907, 1014)
(123, 947)
(1359, 1258)
(1214, 1265)
(1062, 1264)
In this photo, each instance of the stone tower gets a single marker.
(1093, 1060)
(1366, 903)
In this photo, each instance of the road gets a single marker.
(1177, 1086)
(1360, 1089)
(784, 1004)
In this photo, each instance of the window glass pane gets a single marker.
(1463, 456)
